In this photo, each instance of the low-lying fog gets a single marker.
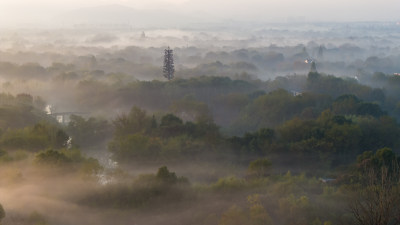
(228, 127)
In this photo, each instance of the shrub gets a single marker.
(259, 167)
(229, 184)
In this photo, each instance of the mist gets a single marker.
(278, 112)
(177, 13)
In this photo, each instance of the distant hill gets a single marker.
(119, 15)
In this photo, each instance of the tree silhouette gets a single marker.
(313, 68)
(321, 52)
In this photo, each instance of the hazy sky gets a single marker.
(26, 11)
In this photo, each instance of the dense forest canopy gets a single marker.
(303, 132)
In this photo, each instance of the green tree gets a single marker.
(164, 175)
(52, 158)
(88, 132)
(138, 146)
(295, 210)
(258, 215)
(190, 110)
(259, 167)
(346, 105)
(371, 109)
(171, 125)
(233, 216)
(24, 98)
(377, 201)
(41, 136)
(383, 158)
(137, 121)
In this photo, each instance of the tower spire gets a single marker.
(168, 68)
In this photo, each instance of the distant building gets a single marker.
(296, 93)
(64, 117)
(168, 68)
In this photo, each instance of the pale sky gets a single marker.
(25, 11)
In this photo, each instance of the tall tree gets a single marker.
(377, 202)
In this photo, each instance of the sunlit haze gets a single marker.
(17, 12)
(200, 112)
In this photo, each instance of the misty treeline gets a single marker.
(143, 63)
(242, 135)
(304, 149)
